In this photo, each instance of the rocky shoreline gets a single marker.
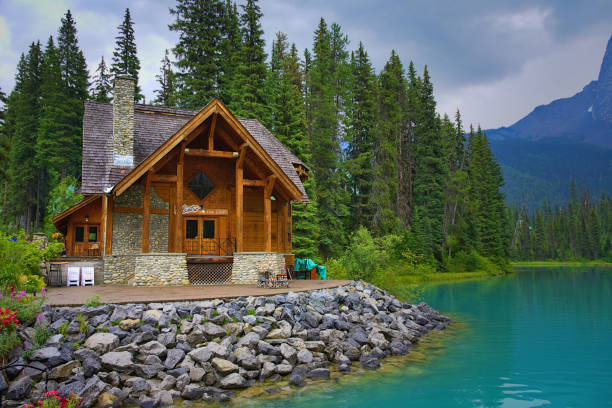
(158, 354)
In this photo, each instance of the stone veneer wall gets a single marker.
(248, 267)
(159, 225)
(153, 269)
(127, 227)
(123, 121)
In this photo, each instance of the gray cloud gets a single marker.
(493, 60)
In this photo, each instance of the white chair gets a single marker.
(87, 275)
(74, 276)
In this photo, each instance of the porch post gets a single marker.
(178, 238)
(239, 197)
(268, 213)
(146, 210)
(103, 224)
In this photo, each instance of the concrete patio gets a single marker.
(77, 295)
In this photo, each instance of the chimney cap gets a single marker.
(125, 76)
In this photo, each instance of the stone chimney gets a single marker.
(123, 121)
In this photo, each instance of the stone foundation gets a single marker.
(250, 266)
(152, 269)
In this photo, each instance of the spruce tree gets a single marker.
(101, 85)
(198, 50)
(75, 84)
(230, 47)
(249, 99)
(361, 115)
(429, 173)
(23, 173)
(166, 94)
(125, 56)
(4, 140)
(390, 137)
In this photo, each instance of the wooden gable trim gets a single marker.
(59, 217)
(214, 107)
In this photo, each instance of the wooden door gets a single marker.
(86, 240)
(192, 235)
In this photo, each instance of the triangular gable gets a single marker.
(215, 106)
(85, 202)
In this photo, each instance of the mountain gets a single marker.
(570, 138)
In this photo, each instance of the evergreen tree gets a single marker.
(323, 131)
(390, 137)
(429, 173)
(4, 140)
(198, 55)
(22, 190)
(75, 84)
(231, 53)
(249, 98)
(166, 94)
(361, 115)
(125, 56)
(101, 85)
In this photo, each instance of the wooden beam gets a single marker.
(268, 213)
(163, 178)
(254, 183)
(160, 164)
(103, 222)
(146, 214)
(211, 133)
(211, 153)
(226, 138)
(178, 236)
(108, 248)
(239, 197)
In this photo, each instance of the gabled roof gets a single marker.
(153, 127)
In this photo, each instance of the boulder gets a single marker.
(61, 372)
(370, 363)
(193, 392)
(224, 367)
(173, 357)
(297, 379)
(201, 355)
(129, 324)
(102, 342)
(196, 374)
(46, 353)
(138, 385)
(181, 381)
(147, 370)
(167, 383)
(119, 361)
(249, 340)
(288, 353)
(108, 400)
(233, 381)
(319, 373)
(284, 369)
(304, 357)
(92, 390)
(20, 389)
(154, 348)
(151, 316)
(213, 330)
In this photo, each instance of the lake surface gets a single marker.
(542, 337)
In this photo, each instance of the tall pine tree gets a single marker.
(166, 94)
(101, 85)
(125, 56)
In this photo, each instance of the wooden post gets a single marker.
(268, 213)
(103, 224)
(239, 197)
(178, 236)
(146, 211)
(211, 134)
(108, 248)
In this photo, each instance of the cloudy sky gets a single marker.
(493, 60)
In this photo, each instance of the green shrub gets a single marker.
(82, 323)
(62, 328)
(251, 312)
(40, 335)
(93, 302)
(8, 341)
(27, 307)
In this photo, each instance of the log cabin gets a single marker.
(174, 196)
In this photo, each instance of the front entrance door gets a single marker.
(203, 236)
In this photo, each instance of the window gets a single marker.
(93, 234)
(289, 232)
(79, 235)
(209, 229)
(191, 229)
(201, 185)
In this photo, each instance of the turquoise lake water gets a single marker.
(538, 338)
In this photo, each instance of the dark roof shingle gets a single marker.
(153, 125)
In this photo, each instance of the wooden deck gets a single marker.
(76, 296)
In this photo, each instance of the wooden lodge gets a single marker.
(174, 196)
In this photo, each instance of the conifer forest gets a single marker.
(386, 169)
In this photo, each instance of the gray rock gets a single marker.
(288, 353)
(151, 360)
(213, 330)
(201, 355)
(138, 385)
(163, 398)
(147, 370)
(102, 342)
(151, 316)
(344, 368)
(268, 349)
(218, 350)
(153, 348)
(249, 362)
(119, 361)
(252, 320)
(118, 314)
(84, 353)
(181, 381)
(304, 356)
(193, 392)
(74, 387)
(173, 357)
(177, 372)
(268, 369)
(167, 339)
(319, 373)
(45, 353)
(196, 374)
(297, 379)
(167, 383)
(91, 366)
(370, 363)
(233, 381)
(196, 336)
(284, 369)
(20, 389)
(89, 394)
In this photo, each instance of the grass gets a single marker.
(40, 335)
(8, 342)
(93, 302)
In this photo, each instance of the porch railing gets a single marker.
(211, 246)
(86, 249)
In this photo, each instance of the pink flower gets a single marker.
(39, 317)
(43, 291)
